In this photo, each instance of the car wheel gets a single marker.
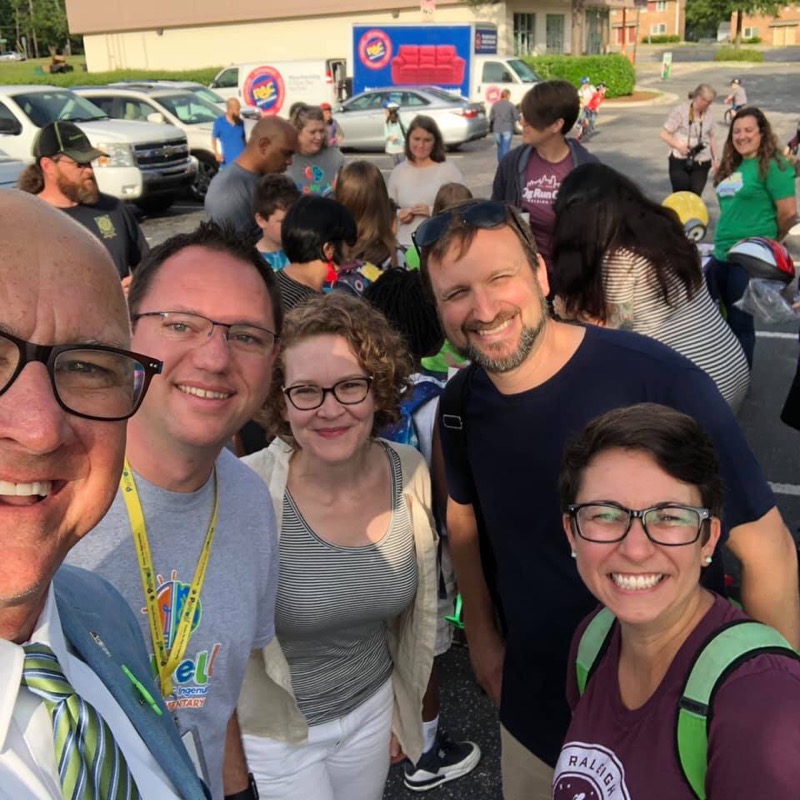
(452, 148)
(207, 168)
(157, 204)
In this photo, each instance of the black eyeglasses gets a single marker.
(478, 214)
(349, 392)
(189, 328)
(669, 524)
(89, 380)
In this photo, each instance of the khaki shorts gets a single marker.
(525, 777)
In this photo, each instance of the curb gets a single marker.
(662, 99)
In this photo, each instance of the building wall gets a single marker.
(191, 45)
(659, 18)
(780, 31)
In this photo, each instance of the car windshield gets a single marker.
(42, 108)
(207, 94)
(526, 74)
(451, 97)
(189, 108)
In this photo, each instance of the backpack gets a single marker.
(724, 651)
(404, 431)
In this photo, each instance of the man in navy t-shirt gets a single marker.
(537, 383)
(227, 135)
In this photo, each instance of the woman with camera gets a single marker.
(689, 131)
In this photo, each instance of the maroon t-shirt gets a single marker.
(542, 182)
(613, 753)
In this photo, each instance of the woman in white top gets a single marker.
(689, 132)
(414, 183)
(623, 261)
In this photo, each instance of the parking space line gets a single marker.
(785, 488)
(775, 335)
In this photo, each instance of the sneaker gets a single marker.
(444, 762)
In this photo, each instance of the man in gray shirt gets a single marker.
(229, 199)
(190, 540)
(502, 119)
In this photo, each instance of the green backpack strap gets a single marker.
(592, 646)
(726, 650)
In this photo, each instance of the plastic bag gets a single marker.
(767, 302)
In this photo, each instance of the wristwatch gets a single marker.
(250, 793)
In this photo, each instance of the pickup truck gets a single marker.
(146, 163)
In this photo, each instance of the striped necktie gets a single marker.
(90, 764)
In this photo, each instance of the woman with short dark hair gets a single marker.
(623, 261)
(414, 182)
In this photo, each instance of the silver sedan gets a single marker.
(362, 116)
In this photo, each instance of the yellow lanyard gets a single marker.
(166, 662)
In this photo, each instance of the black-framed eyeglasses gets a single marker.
(479, 214)
(349, 392)
(92, 381)
(190, 328)
(669, 524)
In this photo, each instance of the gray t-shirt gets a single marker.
(230, 199)
(316, 174)
(503, 116)
(237, 602)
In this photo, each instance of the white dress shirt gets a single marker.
(27, 752)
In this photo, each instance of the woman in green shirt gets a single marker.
(755, 188)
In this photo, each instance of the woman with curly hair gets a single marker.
(357, 596)
(755, 187)
(623, 261)
(361, 189)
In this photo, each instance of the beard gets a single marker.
(528, 339)
(236, 119)
(84, 192)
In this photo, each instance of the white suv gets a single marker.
(193, 114)
(149, 164)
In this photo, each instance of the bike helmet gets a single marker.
(390, 105)
(584, 80)
(763, 258)
(736, 81)
(692, 213)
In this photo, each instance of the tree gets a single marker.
(705, 15)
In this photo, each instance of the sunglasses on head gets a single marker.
(479, 214)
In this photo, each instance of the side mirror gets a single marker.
(11, 127)
(156, 117)
(339, 110)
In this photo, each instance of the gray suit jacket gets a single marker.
(102, 630)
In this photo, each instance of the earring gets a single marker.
(708, 559)
(574, 554)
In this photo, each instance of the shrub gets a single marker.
(661, 38)
(614, 70)
(752, 40)
(737, 54)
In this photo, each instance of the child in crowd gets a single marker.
(333, 130)
(585, 93)
(590, 119)
(738, 97)
(394, 133)
(273, 197)
(400, 295)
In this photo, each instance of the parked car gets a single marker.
(11, 55)
(248, 112)
(10, 170)
(148, 164)
(185, 110)
(362, 117)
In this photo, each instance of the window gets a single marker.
(495, 72)
(49, 105)
(367, 101)
(750, 33)
(524, 34)
(661, 5)
(658, 28)
(227, 79)
(554, 33)
(8, 122)
(412, 99)
(189, 108)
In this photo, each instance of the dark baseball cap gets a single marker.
(65, 138)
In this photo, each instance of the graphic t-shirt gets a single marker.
(515, 443)
(231, 138)
(542, 181)
(113, 223)
(747, 202)
(316, 174)
(237, 602)
(612, 752)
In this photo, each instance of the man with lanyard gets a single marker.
(190, 540)
(536, 383)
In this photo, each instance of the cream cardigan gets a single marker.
(266, 704)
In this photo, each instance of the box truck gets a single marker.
(459, 57)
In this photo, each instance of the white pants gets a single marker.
(345, 759)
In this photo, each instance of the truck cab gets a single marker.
(491, 74)
(148, 164)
